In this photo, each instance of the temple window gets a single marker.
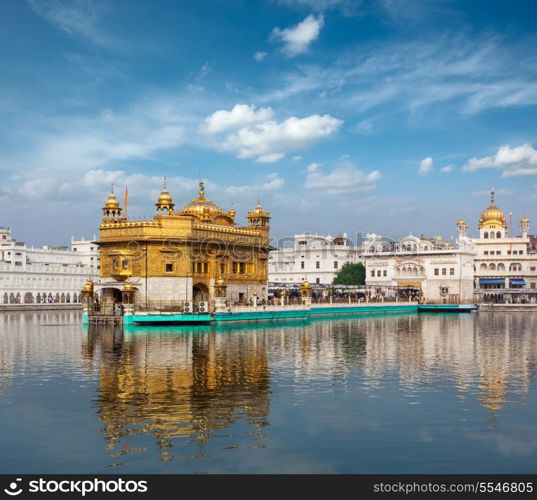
(169, 268)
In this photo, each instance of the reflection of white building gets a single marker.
(45, 274)
(443, 273)
(313, 258)
(505, 265)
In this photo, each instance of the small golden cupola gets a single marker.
(165, 204)
(232, 213)
(461, 227)
(493, 216)
(206, 211)
(111, 209)
(258, 217)
(524, 227)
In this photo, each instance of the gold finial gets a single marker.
(164, 186)
(202, 190)
(112, 188)
(492, 193)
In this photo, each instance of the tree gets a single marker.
(350, 274)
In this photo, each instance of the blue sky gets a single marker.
(383, 116)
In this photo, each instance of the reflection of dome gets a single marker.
(206, 210)
(493, 216)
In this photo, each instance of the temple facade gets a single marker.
(187, 256)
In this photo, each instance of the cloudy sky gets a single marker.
(384, 116)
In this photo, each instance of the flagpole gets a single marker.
(126, 202)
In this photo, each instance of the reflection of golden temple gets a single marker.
(181, 386)
(177, 256)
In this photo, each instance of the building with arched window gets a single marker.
(313, 258)
(45, 275)
(441, 271)
(505, 265)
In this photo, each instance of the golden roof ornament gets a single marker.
(165, 199)
(111, 202)
(493, 216)
(204, 209)
(88, 287)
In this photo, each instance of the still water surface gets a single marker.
(435, 393)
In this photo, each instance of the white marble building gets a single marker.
(313, 258)
(442, 273)
(48, 274)
(505, 265)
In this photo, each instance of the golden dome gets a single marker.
(493, 216)
(128, 286)
(111, 202)
(165, 198)
(305, 285)
(219, 282)
(205, 210)
(88, 287)
(164, 202)
(524, 219)
(461, 222)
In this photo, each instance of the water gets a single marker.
(430, 393)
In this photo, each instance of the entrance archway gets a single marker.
(200, 293)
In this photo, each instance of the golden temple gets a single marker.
(189, 255)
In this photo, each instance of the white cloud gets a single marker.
(474, 74)
(426, 165)
(297, 158)
(274, 183)
(447, 169)
(242, 115)
(297, 39)
(513, 161)
(259, 56)
(95, 185)
(270, 158)
(270, 140)
(76, 17)
(346, 178)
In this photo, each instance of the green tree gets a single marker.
(350, 274)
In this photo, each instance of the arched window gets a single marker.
(492, 267)
(486, 235)
(492, 234)
(501, 267)
(483, 267)
(498, 234)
